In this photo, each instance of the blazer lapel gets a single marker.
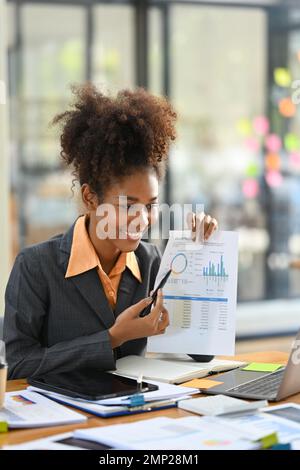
(91, 289)
(87, 283)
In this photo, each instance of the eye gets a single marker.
(153, 205)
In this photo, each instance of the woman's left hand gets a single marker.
(202, 226)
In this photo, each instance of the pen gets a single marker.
(139, 383)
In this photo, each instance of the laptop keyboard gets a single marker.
(265, 386)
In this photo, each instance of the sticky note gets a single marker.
(274, 178)
(250, 188)
(273, 143)
(282, 77)
(262, 367)
(261, 125)
(244, 126)
(3, 426)
(202, 383)
(269, 440)
(291, 142)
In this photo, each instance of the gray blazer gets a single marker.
(55, 324)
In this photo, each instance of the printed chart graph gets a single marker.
(213, 270)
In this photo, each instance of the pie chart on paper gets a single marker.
(179, 263)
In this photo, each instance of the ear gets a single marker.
(89, 197)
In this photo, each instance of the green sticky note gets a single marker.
(262, 367)
(3, 426)
(269, 441)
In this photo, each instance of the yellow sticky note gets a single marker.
(269, 441)
(282, 77)
(202, 383)
(262, 367)
(3, 426)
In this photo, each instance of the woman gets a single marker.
(75, 300)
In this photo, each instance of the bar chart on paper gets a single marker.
(200, 296)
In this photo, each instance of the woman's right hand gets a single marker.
(129, 325)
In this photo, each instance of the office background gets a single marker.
(229, 68)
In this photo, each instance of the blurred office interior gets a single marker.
(229, 67)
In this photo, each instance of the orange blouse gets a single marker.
(83, 257)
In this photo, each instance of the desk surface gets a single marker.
(19, 436)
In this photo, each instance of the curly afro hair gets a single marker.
(106, 138)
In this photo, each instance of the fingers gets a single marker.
(164, 321)
(190, 218)
(201, 225)
(192, 224)
(158, 308)
(135, 309)
(210, 226)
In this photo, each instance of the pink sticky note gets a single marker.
(250, 188)
(273, 178)
(294, 159)
(273, 143)
(252, 144)
(261, 125)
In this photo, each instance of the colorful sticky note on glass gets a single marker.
(252, 144)
(252, 170)
(250, 188)
(204, 384)
(287, 108)
(291, 142)
(273, 178)
(262, 367)
(244, 126)
(294, 160)
(273, 143)
(272, 162)
(261, 125)
(282, 77)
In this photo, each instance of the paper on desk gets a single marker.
(55, 442)
(25, 409)
(200, 295)
(167, 433)
(264, 424)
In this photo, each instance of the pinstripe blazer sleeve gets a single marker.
(25, 315)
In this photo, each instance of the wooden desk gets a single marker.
(19, 436)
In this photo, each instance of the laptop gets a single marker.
(271, 386)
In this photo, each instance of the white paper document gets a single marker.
(168, 433)
(25, 409)
(200, 295)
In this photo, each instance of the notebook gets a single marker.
(170, 371)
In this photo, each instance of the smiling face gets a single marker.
(128, 208)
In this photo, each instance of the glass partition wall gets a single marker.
(228, 69)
